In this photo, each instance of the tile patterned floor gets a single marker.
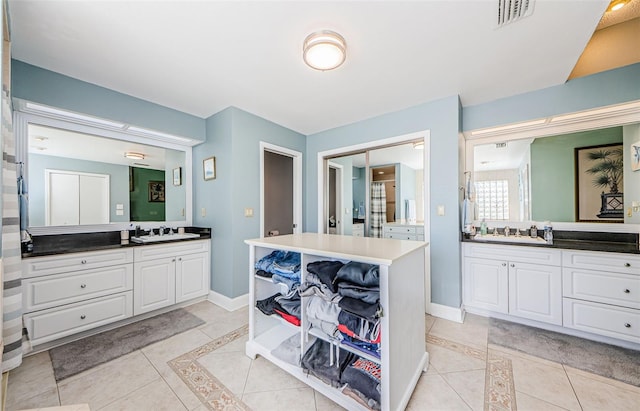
(206, 368)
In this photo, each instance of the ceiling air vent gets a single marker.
(501, 145)
(513, 10)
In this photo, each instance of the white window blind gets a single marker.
(492, 197)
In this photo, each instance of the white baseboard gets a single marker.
(229, 304)
(448, 313)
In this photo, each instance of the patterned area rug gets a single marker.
(77, 356)
(211, 392)
(609, 361)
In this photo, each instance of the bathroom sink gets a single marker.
(159, 238)
(510, 239)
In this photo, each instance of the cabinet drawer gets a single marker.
(401, 236)
(602, 319)
(521, 254)
(38, 266)
(600, 286)
(593, 260)
(58, 289)
(399, 229)
(152, 252)
(54, 323)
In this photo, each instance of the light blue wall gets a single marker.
(118, 184)
(442, 118)
(47, 87)
(234, 136)
(602, 89)
(407, 191)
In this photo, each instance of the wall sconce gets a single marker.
(324, 50)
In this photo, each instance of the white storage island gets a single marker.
(343, 314)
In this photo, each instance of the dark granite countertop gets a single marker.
(44, 245)
(579, 240)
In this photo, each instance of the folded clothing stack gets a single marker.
(284, 264)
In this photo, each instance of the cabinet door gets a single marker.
(192, 276)
(154, 284)
(486, 284)
(535, 292)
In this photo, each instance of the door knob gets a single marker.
(627, 264)
(83, 261)
(627, 291)
(82, 317)
(627, 325)
(83, 286)
(513, 265)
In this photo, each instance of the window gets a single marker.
(492, 197)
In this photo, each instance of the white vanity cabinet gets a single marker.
(524, 282)
(402, 278)
(166, 274)
(69, 293)
(601, 293)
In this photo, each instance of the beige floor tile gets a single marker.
(506, 352)
(445, 360)
(429, 320)
(186, 396)
(237, 345)
(227, 322)
(596, 395)
(109, 382)
(469, 385)
(472, 332)
(264, 376)
(32, 378)
(298, 399)
(48, 398)
(207, 311)
(156, 396)
(231, 368)
(74, 407)
(526, 402)
(434, 394)
(544, 382)
(610, 381)
(325, 404)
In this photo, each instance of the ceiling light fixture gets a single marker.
(324, 50)
(617, 5)
(134, 156)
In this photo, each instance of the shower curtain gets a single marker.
(378, 209)
(11, 251)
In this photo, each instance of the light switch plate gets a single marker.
(248, 212)
(440, 210)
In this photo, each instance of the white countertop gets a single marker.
(373, 250)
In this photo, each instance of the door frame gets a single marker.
(339, 206)
(297, 183)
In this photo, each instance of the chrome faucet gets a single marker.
(161, 230)
(507, 231)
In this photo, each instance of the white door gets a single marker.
(154, 284)
(535, 292)
(94, 199)
(64, 199)
(192, 276)
(486, 284)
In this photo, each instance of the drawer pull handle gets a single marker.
(180, 259)
(82, 317)
(627, 264)
(83, 261)
(627, 325)
(83, 286)
(513, 265)
(504, 264)
(627, 291)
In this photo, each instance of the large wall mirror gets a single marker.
(80, 178)
(590, 175)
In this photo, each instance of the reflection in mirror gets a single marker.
(78, 179)
(391, 193)
(557, 178)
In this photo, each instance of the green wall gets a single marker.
(141, 208)
(553, 172)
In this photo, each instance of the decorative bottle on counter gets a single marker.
(483, 227)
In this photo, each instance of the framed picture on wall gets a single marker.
(156, 191)
(177, 176)
(209, 168)
(599, 183)
(635, 156)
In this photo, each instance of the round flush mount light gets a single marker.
(134, 156)
(324, 50)
(617, 5)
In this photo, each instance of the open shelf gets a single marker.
(364, 354)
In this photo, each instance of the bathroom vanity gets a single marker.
(585, 288)
(74, 283)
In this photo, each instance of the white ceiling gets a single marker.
(200, 57)
(491, 156)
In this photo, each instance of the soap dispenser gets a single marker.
(533, 231)
(483, 227)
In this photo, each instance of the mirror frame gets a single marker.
(601, 117)
(20, 124)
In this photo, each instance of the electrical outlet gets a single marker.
(248, 212)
